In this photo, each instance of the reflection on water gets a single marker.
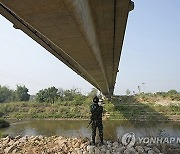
(112, 129)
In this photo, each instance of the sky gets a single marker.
(150, 56)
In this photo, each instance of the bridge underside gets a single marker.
(86, 35)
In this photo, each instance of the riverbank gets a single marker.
(139, 107)
(14, 120)
(4, 123)
(64, 145)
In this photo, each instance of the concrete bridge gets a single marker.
(86, 35)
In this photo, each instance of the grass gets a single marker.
(2, 134)
(22, 110)
(141, 107)
(122, 107)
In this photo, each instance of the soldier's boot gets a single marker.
(101, 141)
(101, 136)
(93, 141)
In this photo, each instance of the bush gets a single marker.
(109, 107)
(175, 108)
(175, 97)
(171, 92)
(2, 135)
(4, 123)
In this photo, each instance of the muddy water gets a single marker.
(112, 129)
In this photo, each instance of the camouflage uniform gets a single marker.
(96, 118)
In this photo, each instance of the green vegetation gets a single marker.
(158, 106)
(47, 95)
(4, 123)
(8, 95)
(21, 94)
(2, 134)
(59, 103)
(64, 109)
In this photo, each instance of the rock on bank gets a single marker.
(63, 145)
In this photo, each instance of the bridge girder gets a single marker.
(86, 35)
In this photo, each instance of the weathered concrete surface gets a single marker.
(87, 35)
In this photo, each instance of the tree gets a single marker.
(6, 94)
(93, 92)
(41, 96)
(70, 95)
(21, 93)
(61, 93)
(47, 95)
(52, 94)
(172, 92)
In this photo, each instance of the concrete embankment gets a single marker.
(64, 145)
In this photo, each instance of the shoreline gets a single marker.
(83, 119)
(70, 145)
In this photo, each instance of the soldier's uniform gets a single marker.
(96, 117)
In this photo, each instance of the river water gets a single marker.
(113, 129)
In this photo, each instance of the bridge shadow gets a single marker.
(130, 115)
(139, 114)
(129, 108)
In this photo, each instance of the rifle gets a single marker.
(92, 117)
(89, 123)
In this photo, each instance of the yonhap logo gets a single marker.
(128, 139)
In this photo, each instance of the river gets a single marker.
(113, 129)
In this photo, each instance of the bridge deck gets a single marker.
(87, 35)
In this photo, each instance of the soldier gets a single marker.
(96, 119)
